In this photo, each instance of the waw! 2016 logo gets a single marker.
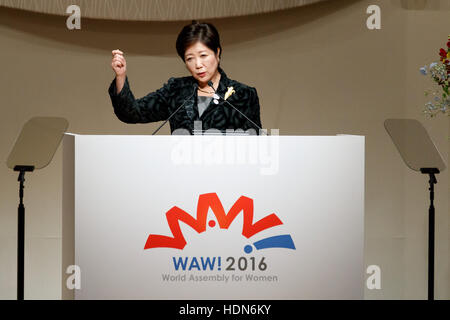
(211, 200)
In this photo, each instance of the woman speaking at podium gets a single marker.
(208, 95)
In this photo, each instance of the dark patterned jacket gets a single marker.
(158, 105)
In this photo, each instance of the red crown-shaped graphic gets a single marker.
(206, 201)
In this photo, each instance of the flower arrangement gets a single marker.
(440, 73)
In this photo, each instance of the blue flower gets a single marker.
(430, 106)
(423, 71)
(433, 64)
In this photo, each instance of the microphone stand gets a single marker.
(261, 129)
(431, 222)
(21, 232)
(195, 89)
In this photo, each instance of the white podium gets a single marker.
(198, 217)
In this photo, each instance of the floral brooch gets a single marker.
(229, 92)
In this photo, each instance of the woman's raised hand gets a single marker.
(118, 63)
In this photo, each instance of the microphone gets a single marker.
(216, 96)
(173, 113)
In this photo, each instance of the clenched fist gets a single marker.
(118, 63)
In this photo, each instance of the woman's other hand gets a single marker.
(118, 63)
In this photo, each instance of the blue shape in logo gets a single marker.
(282, 241)
(248, 248)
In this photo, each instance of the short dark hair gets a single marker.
(206, 33)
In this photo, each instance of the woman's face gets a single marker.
(201, 62)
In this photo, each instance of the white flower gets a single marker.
(229, 92)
